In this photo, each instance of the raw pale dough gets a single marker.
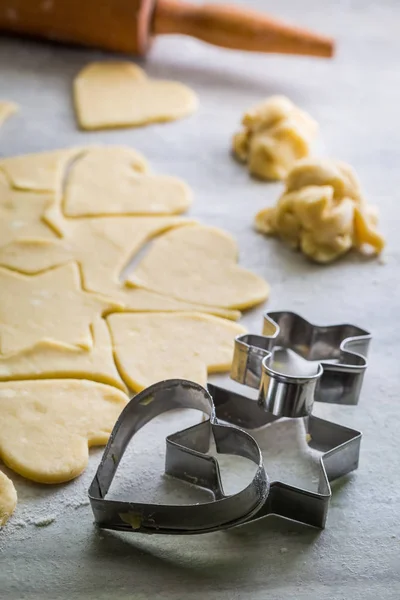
(119, 94)
(22, 214)
(46, 427)
(106, 181)
(49, 360)
(60, 278)
(140, 300)
(6, 110)
(149, 348)
(8, 498)
(198, 264)
(102, 247)
(50, 306)
(40, 172)
(322, 212)
(275, 134)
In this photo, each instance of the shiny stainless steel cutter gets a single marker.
(338, 356)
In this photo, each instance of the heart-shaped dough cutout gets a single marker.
(110, 181)
(8, 498)
(198, 264)
(46, 427)
(119, 94)
(153, 347)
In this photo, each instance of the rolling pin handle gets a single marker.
(237, 28)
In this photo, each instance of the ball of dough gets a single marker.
(322, 212)
(275, 134)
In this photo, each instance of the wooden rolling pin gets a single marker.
(129, 25)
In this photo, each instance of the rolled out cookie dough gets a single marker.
(322, 212)
(41, 171)
(198, 264)
(48, 360)
(111, 181)
(46, 427)
(101, 246)
(8, 498)
(47, 307)
(101, 251)
(152, 347)
(275, 134)
(6, 110)
(141, 300)
(119, 94)
(22, 213)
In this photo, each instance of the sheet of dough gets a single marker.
(119, 94)
(8, 498)
(102, 247)
(46, 427)
(6, 110)
(141, 300)
(152, 347)
(50, 306)
(108, 181)
(39, 172)
(48, 360)
(22, 213)
(44, 171)
(199, 264)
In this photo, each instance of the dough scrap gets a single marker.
(49, 360)
(47, 307)
(322, 212)
(46, 427)
(8, 497)
(22, 214)
(119, 94)
(152, 347)
(109, 181)
(6, 110)
(198, 264)
(275, 134)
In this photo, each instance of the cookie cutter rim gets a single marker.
(340, 445)
(286, 395)
(185, 460)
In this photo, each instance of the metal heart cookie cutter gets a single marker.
(337, 362)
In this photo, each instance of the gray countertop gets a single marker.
(356, 100)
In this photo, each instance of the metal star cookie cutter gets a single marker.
(280, 394)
